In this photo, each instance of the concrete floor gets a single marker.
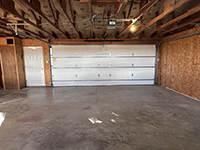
(143, 118)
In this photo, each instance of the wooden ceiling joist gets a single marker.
(130, 8)
(141, 12)
(188, 13)
(90, 12)
(71, 10)
(58, 5)
(119, 6)
(5, 34)
(180, 26)
(53, 14)
(102, 41)
(21, 28)
(39, 13)
(8, 6)
(165, 13)
(98, 2)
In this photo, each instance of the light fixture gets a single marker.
(133, 28)
(112, 24)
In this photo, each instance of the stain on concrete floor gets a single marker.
(146, 118)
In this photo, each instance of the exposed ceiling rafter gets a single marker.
(58, 5)
(118, 8)
(53, 14)
(141, 12)
(39, 13)
(90, 11)
(8, 6)
(188, 13)
(162, 15)
(180, 26)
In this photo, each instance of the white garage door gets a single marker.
(84, 65)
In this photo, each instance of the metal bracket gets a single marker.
(14, 26)
(118, 20)
(196, 24)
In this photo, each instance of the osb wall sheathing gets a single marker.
(179, 64)
(32, 42)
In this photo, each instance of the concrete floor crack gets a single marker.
(97, 100)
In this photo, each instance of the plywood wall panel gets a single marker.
(2, 41)
(1, 76)
(179, 62)
(20, 62)
(9, 68)
(32, 42)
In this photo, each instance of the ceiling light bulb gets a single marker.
(133, 28)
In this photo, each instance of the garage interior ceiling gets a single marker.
(75, 19)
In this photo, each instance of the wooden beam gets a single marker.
(5, 28)
(146, 16)
(5, 34)
(168, 11)
(20, 27)
(101, 41)
(98, 2)
(180, 26)
(71, 10)
(130, 9)
(90, 12)
(188, 13)
(57, 3)
(39, 13)
(119, 6)
(53, 14)
(8, 6)
(141, 12)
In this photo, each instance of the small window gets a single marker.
(9, 41)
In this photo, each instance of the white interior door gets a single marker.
(85, 65)
(34, 66)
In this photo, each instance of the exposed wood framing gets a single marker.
(5, 27)
(188, 13)
(165, 13)
(71, 10)
(146, 16)
(53, 14)
(141, 12)
(180, 26)
(22, 28)
(5, 34)
(58, 5)
(119, 6)
(111, 2)
(39, 13)
(101, 41)
(90, 12)
(8, 6)
(105, 14)
(129, 12)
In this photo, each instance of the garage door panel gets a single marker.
(131, 50)
(103, 74)
(75, 65)
(78, 50)
(101, 82)
(102, 62)
(93, 50)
